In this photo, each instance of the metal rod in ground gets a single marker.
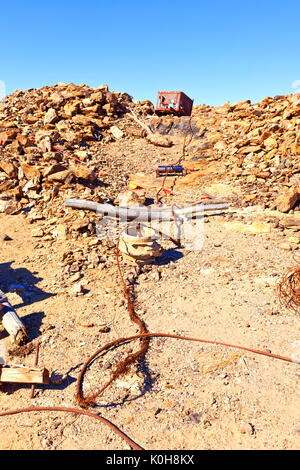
(36, 364)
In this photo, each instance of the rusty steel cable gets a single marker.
(120, 341)
(133, 358)
(184, 140)
(85, 402)
(157, 198)
(105, 421)
(288, 290)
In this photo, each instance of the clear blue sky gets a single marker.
(215, 51)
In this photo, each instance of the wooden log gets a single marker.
(156, 139)
(24, 375)
(144, 213)
(11, 321)
(141, 123)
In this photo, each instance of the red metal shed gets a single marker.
(176, 102)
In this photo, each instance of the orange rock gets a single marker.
(9, 168)
(56, 168)
(250, 149)
(30, 172)
(51, 116)
(81, 120)
(7, 136)
(71, 109)
(81, 171)
(23, 140)
(286, 201)
(59, 176)
(270, 143)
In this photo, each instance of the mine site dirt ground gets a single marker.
(184, 395)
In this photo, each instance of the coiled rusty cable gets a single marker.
(289, 290)
(120, 341)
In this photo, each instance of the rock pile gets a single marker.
(44, 136)
(49, 144)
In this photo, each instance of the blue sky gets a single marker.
(214, 51)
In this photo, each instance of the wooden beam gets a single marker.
(24, 375)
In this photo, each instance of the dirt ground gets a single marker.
(184, 395)
(188, 396)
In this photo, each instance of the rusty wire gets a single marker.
(288, 290)
(75, 411)
(124, 365)
(105, 421)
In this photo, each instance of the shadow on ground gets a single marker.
(169, 256)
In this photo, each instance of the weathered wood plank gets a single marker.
(24, 375)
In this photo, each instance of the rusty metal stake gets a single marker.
(36, 362)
